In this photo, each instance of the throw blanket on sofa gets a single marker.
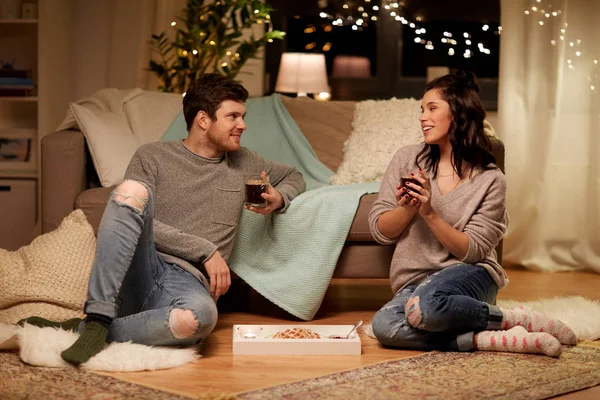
(289, 258)
(273, 133)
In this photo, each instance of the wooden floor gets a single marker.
(347, 301)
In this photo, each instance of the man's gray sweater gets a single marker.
(198, 201)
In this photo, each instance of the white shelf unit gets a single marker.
(19, 43)
(19, 119)
(19, 99)
(18, 21)
(21, 169)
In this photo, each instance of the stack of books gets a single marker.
(15, 82)
(15, 149)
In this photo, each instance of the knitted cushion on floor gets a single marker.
(49, 277)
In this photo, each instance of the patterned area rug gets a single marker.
(449, 376)
(21, 381)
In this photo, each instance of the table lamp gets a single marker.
(302, 73)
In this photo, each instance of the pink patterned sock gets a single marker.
(518, 340)
(534, 321)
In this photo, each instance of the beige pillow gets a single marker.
(49, 277)
(150, 114)
(110, 140)
(326, 124)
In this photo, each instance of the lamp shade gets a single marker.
(302, 73)
(351, 67)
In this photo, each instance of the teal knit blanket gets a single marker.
(289, 258)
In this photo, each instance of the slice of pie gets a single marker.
(297, 333)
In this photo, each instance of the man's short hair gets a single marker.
(207, 93)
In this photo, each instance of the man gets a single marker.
(175, 215)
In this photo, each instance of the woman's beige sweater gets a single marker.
(477, 207)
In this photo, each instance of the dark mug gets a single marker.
(410, 179)
(256, 185)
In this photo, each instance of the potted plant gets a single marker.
(209, 39)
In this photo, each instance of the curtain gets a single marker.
(549, 120)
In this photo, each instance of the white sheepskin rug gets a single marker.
(42, 347)
(580, 314)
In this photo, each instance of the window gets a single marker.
(343, 46)
(382, 48)
(455, 44)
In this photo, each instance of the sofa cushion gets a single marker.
(359, 230)
(110, 140)
(364, 260)
(93, 202)
(116, 122)
(326, 125)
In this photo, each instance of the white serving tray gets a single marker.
(264, 343)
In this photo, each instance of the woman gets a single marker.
(446, 224)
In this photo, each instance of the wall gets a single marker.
(54, 84)
(101, 44)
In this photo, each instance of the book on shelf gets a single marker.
(16, 91)
(15, 73)
(15, 82)
(15, 149)
(10, 82)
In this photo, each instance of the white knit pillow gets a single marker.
(49, 277)
(379, 128)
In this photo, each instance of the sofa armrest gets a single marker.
(498, 152)
(63, 175)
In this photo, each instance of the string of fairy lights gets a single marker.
(230, 57)
(545, 13)
(359, 17)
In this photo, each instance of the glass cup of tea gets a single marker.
(410, 179)
(256, 185)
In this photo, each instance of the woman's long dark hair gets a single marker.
(469, 141)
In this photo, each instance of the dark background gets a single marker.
(398, 64)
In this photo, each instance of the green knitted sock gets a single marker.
(90, 343)
(68, 325)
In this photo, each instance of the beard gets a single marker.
(222, 142)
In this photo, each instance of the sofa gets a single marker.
(69, 181)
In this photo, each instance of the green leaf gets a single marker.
(156, 67)
(234, 22)
(275, 35)
(222, 23)
(244, 15)
(233, 35)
